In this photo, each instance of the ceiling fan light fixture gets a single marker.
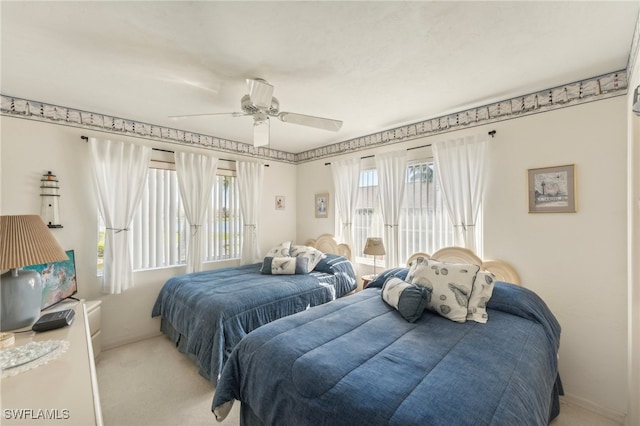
(260, 92)
(248, 107)
(261, 132)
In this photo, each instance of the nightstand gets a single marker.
(366, 279)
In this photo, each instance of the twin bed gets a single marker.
(206, 314)
(361, 360)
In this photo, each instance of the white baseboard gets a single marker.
(592, 407)
(122, 342)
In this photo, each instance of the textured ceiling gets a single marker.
(374, 65)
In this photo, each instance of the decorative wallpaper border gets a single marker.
(39, 111)
(596, 88)
(589, 90)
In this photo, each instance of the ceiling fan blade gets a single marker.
(260, 92)
(261, 132)
(311, 121)
(232, 114)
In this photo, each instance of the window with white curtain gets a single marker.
(158, 234)
(424, 221)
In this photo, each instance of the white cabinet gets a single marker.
(63, 391)
(93, 316)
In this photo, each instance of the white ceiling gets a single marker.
(374, 65)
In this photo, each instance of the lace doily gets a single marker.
(30, 355)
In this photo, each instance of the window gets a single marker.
(424, 221)
(158, 233)
(367, 220)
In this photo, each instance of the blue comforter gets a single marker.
(207, 313)
(356, 361)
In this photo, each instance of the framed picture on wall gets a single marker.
(552, 190)
(279, 202)
(322, 205)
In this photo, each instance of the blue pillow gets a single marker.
(408, 299)
(285, 265)
(379, 281)
(326, 263)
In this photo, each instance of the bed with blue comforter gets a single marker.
(356, 361)
(207, 313)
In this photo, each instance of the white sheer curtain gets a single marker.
(460, 168)
(392, 177)
(119, 173)
(346, 176)
(250, 176)
(196, 177)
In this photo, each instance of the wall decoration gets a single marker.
(552, 190)
(594, 88)
(322, 205)
(49, 208)
(279, 202)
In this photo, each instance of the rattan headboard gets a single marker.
(502, 270)
(327, 243)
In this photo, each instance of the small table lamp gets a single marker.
(375, 247)
(26, 240)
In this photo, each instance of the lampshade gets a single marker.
(26, 240)
(374, 246)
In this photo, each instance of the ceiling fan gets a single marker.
(260, 104)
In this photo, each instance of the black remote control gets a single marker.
(54, 320)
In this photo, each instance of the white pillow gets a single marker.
(450, 283)
(314, 255)
(480, 295)
(283, 250)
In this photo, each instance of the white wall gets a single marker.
(30, 149)
(634, 248)
(314, 178)
(575, 261)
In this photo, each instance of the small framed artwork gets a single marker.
(279, 202)
(322, 205)
(552, 190)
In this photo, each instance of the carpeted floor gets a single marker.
(151, 383)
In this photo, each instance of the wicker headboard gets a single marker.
(502, 270)
(327, 243)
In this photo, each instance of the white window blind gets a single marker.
(158, 234)
(424, 225)
(424, 221)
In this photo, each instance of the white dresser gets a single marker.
(94, 318)
(65, 390)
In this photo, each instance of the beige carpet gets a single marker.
(151, 383)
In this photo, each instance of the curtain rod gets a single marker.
(491, 133)
(86, 139)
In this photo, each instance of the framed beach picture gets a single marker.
(322, 205)
(552, 190)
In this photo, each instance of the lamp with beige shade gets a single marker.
(375, 247)
(24, 240)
